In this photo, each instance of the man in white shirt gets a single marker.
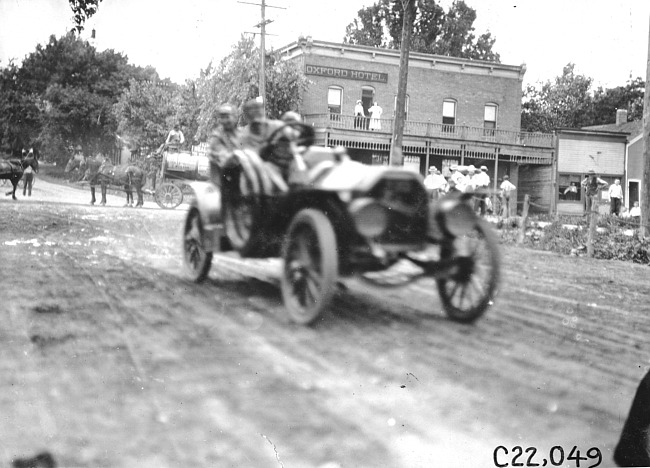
(435, 183)
(482, 185)
(507, 188)
(175, 138)
(615, 197)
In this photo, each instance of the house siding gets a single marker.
(536, 181)
(579, 155)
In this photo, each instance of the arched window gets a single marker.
(490, 119)
(448, 115)
(334, 99)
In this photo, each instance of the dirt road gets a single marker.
(110, 357)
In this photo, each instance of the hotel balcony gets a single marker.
(435, 139)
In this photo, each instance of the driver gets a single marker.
(259, 128)
(255, 137)
(175, 139)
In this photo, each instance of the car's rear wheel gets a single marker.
(310, 266)
(196, 259)
(471, 285)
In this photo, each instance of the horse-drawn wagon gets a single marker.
(177, 169)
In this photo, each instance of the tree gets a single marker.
(564, 102)
(146, 112)
(62, 95)
(235, 81)
(434, 31)
(628, 97)
(19, 113)
(82, 10)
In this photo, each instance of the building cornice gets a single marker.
(306, 47)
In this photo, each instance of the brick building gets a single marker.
(458, 111)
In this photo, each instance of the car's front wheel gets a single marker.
(469, 289)
(310, 267)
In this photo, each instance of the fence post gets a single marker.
(593, 221)
(524, 220)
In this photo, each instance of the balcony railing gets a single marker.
(429, 129)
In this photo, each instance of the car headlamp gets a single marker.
(370, 217)
(455, 217)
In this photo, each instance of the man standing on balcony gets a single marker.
(375, 115)
(359, 114)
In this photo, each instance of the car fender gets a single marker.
(207, 201)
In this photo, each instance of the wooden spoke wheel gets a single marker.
(310, 267)
(196, 260)
(241, 210)
(469, 289)
(168, 196)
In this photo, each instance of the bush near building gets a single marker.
(615, 238)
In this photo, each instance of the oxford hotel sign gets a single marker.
(346, 73)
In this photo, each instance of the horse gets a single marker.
(13, 169)
(105, 173)
(76, 162)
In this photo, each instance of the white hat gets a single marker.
(484, 168)
(454, 167)
(471, 168)
(433, 169)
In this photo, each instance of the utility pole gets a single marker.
(396, 158)
(645, 190)
(262, 26)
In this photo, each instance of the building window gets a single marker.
(406, 107)
(334, 97)
(569, 187)
(448, 115)
(490, 119)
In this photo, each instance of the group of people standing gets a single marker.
(593, 185)
(469, 179)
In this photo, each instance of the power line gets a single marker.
(262, 25)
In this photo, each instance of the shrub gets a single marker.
(611, 244)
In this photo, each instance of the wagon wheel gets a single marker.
(310, 266)
(168, 196)
(196, 259)
(241, 207)
(468, 291)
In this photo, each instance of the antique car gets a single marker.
(340, 219)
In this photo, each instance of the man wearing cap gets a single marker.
(592, 185)
(435, 183)
(224, 140)
(258, 128)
